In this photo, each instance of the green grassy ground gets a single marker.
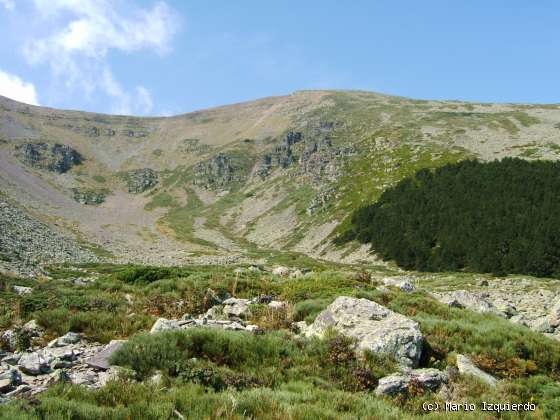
(221, 374)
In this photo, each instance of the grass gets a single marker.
(209, 373)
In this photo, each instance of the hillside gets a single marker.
(188, 267)
(245, 181)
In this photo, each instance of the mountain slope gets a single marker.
(250, 180)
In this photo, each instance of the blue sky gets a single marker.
(154, 57)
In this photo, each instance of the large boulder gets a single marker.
(374, 327)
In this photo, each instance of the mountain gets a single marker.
(243, 182)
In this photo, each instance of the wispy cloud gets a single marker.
(83, 32)
(13, 87)
(8, 4)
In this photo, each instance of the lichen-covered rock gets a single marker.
(374, 327)
(140, 180)
(52, 157)
(89, 197)
(426, 379)
(467, 367)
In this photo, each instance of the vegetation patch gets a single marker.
(469, 216)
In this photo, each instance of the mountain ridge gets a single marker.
(246, 181)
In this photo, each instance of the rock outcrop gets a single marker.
(220, 171)
(140, 180)
(374, 327)
(89, 197)
(52, 157)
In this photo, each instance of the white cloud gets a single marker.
(8, 4)
(14, 88)
(82, 34)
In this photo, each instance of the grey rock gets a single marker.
(33, 363)
(375, 328)
(427, 379)
(9, 339)
(392, 384)
(541, 324)
(236, 307)
(33, 328)
(277, 305)
(467, 367)
(163, 324)
(22, 290)
(102, 359)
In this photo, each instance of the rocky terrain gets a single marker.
(189, 262)
(26, 244)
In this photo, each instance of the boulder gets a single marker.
(33, 363)
(33, 328)
(22, 290)
(66, 339)
(238, 308)
(374, 327)
(9, 380)
(296, 274)
(163, 324)
(426, 379)
(102, 360)
(9, 339)
(467, 367)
